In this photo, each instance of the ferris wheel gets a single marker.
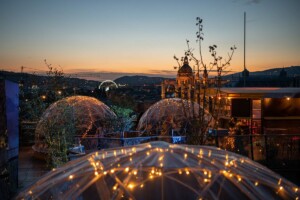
(107, 85)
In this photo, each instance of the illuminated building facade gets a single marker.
(186, 85)
(262, 110)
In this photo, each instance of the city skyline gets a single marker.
(141, 37)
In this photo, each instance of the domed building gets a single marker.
(185, 85)
(168, 116)
(185, 73)
(72, 116)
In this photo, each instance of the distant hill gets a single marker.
(276, 77)
(40, 80)
(145, 80)
(291, 72)
(139, 80)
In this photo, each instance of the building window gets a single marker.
(256, 109)
(256, 116)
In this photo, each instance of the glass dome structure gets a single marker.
(74, 116)
(160, 170)
(169, 115)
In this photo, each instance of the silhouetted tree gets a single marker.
(124, 120)
(200, 124)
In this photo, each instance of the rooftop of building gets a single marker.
(267, 92)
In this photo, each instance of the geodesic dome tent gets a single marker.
(73, 116)
(169, 115)
(159, 170)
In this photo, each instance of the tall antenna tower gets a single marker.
(244, 74)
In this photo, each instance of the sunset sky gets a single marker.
(139, 36)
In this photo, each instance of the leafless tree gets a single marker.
(209, 88)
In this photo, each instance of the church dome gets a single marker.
(186, 69)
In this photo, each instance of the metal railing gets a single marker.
(261, 147)
(279, 152)
(267, 148)
(97, 143)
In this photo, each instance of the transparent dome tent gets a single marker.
(170, 115)
(160, 170)
(73, 116)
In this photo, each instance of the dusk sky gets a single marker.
(137, 36)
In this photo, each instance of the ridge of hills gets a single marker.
(40, 80)
(145, 80)
(138, 80)
(291, 72)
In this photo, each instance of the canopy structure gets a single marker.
(75, 115)
(160, 170)
(171, 114)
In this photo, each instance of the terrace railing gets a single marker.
(266, 148)
(279, 152)
(97, 143)
(261, 147)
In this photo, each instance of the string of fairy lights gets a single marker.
(157, 167)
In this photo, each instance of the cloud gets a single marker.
(253, 1)
(164, 72)
(78, 70)
(249, 2)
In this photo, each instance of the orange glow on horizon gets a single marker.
(140, 65)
